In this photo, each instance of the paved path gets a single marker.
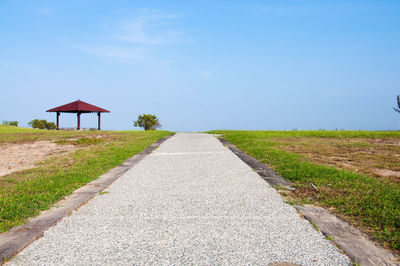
(191, 201)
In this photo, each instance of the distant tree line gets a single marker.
(10, 123)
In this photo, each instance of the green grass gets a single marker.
(368, 202)
(4, 129)
(24, 194)
(313, 133)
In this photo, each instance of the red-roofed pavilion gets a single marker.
(78, 107)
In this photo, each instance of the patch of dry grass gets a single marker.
(376, 157)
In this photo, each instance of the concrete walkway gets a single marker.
(191, 201)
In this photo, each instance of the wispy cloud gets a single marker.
(151, 27)
(205, 74)
(21, 67)
(320, 8)
(136, 37)
(120, 53)
(288, 10)
(43, 10)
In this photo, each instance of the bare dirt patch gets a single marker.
(17, 157)
(387, 173)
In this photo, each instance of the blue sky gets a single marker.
(202, 65)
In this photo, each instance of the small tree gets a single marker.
(147, 121)
(397, 109)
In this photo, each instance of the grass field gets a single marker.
(354, 174)
(24, 194)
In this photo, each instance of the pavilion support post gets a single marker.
(58, 120)
(79, 120)
(99, 120)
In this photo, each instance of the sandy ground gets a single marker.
(17, 157)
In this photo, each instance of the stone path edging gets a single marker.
(354, 243)
(19, 237)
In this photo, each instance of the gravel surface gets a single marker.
(191, 201)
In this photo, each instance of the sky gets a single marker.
(203, 65)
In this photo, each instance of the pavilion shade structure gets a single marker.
(79, 107)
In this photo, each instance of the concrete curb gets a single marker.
(19, 237)
(354, 244)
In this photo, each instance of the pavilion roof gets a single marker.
(78, 106)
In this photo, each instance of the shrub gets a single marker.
(50, 126)
(36, 123)
(147, 121)
(42, 124)
(10, 123)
